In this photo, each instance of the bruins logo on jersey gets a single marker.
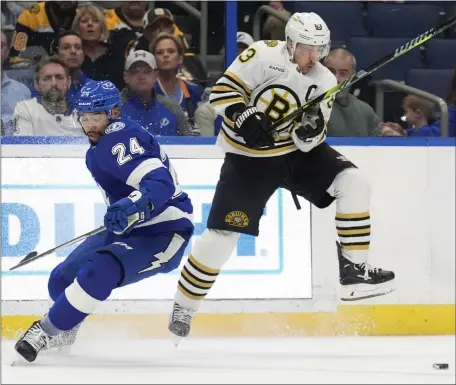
(277, 101)
(271, 43)
(237, 219)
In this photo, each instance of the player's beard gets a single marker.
(93, 143)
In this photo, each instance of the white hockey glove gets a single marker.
(310, 131)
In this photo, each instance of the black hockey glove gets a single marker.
(252, 125)
(311, 125)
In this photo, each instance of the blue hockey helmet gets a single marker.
(98, 96)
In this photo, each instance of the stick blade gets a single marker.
(25, 260)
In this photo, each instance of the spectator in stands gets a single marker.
(244, 40)
(68, 47)
(274, 28)
(169, 53)
(160, 20)
(206, 119)
(350, 116)
(12, 93)
(125, 23)
(102, 60)
(10, 12)
(49, 114)
(451, 101)
(419, 113)
(157, 114)
(38, 25)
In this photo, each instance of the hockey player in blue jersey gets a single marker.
(148, 220)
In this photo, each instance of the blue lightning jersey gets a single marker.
(128, 158)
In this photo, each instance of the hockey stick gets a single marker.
(30, 257)
(416, 42)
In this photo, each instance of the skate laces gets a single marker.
(37, 337)
(182, 314)
(369, 269)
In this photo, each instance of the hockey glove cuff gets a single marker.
(122, 216)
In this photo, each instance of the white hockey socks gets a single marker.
(352, 193)
(199, 273)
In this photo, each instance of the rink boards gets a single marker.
(285, 282)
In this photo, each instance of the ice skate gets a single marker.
(361, 281)
(62, 342)
(32, 341)
(179, 322)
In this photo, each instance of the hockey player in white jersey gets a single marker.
(268, 81)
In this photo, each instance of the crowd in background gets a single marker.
(58, 46)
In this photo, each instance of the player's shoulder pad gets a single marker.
(122, 130)
(266, 51)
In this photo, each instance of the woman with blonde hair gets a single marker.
(102, 60)
(169, 53)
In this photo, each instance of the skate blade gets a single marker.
(20, 361)
(176, 340)
(354, 295)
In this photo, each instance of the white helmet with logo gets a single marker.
(309, 29)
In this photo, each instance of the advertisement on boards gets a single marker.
(46, 202)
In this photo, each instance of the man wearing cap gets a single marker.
(156, 113)
(244, 40)
(160, 20)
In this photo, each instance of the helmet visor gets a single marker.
(87, 118)
(312, 49)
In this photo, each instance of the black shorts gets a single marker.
(247, 183)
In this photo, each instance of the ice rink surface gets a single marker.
(341, 360)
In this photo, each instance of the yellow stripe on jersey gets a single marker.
(224, 88)
(267, 151)
(228, 122)
(237, 81)
(226, 100)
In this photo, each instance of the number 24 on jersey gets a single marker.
(120, 150)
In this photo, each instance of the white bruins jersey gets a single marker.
(31, 118)
(263, 76)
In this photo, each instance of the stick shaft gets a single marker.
(26, 261)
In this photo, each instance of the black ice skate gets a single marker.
(32, 341)
(361, 281)
(179, 322)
